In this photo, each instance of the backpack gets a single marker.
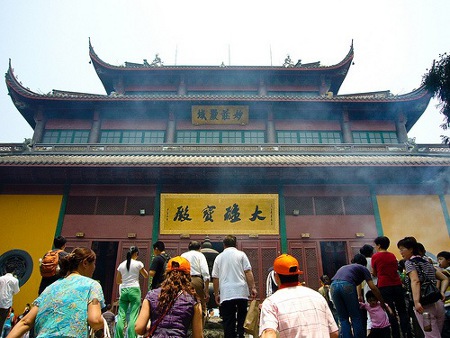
(166, 257)
(50, 264)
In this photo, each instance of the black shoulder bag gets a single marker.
(429, 293)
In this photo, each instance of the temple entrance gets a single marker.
(105, 266)
(334, 255)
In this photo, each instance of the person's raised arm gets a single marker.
(251, 283)
(144, 315)
(206, 289)
(197, 321)
(25, 324)
(144, 273)
(377, 294)
(206, 276)
(374, 269)
(444, 282)
(359, 292)
(216, 290)
(415, 288)
(94, 318)
(153, 267)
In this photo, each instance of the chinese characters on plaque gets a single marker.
(219, 115)
(218, 214)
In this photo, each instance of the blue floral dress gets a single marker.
(63, 307)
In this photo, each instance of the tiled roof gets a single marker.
(156, 160)
(145, 67)
(134, 72)
(59, 95)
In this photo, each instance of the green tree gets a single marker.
(437, 82)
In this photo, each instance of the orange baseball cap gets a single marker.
(286, 265)
(179, 263)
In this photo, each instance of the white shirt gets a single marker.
(9, 286)
(229, 267)
(130, 278)
(374, 279)
(199, 265)
(297, 312)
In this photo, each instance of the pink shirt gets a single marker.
(378, 316)
(297, 312)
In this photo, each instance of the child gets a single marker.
(110, 318)
(324, 290)
(381, 328)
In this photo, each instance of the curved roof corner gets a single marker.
(99, 66)
(17, 92)
(343, 67)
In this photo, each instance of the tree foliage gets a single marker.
(437, 82)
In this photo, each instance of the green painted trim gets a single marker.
(155, 231)
(376, 213)
(282, 216)
(62, 211)
(445, 212)
(156, 213)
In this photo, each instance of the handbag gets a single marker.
(100, 333)
(251, 322)
(429, 293)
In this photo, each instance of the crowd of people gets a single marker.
(395, 305)
(374, 296)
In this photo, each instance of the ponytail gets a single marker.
(131, 252)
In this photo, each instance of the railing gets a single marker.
(207, 149)
(9, 148)
(433, 148)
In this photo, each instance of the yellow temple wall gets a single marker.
(28, 223)
(420, 216)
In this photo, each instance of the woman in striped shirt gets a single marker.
(414, 263)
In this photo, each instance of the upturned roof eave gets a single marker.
(345, 62)
(21, 91)
(20, 94)
(107, 72)
(17, 91)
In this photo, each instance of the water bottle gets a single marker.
(426, 322)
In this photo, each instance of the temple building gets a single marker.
(272, 154)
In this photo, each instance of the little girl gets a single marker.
(381, 328)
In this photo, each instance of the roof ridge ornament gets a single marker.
(157, 62)
(288, 62)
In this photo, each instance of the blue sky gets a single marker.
(395, 42)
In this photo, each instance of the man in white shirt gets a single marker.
(9, 286)
(232, 279)
(199, 273)
(295, 311)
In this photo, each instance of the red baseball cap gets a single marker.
(179, 263)
(286, 265)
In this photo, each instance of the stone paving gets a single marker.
(213, 329)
